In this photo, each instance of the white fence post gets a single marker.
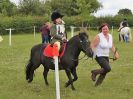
(10, 36)
(34, 31)
(57, 78)
(56, 54)
(72, 31)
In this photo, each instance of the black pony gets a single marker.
(68, 62)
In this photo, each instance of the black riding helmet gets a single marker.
(56, 15)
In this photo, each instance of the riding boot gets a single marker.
(100, 79)
(95, 73)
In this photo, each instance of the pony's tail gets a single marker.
(28, 69)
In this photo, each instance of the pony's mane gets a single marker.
(77, 36)
(73, 38)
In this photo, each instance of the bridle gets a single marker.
(82, 42)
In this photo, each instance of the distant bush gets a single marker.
(21, 24)
(96, 22)
(25, 24)
(112, 20)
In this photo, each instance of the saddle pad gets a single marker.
(48, 51)
(51, 51)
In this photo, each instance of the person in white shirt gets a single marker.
(101, 46)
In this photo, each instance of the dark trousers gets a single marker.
(45, 39)
(104, 63)
(105, 68)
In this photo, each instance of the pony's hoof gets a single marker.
(47, 84)
(27, 78)
(66, 84)
(73, 89)
(93, 77)
(30, 80)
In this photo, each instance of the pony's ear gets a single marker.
(83, 34)
(79, 33)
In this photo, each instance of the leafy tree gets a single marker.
(80, 8)
(64, 6)
(7, 7)
(75, 7)
(32, 7)
(86, 7)
(89, 6)
(124, 12)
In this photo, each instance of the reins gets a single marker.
(79, 58)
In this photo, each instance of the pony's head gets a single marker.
(85, 44)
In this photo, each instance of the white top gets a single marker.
(60, 29)
(103, 47)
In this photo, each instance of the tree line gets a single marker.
(29, 13)
(45, 7)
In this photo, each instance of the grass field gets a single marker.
(117, 85)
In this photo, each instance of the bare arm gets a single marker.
(95, 42)
(116, 54)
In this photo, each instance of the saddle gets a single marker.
(49, 51)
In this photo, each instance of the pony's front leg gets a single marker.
(74, 73)
(70, 79)
(45, 73)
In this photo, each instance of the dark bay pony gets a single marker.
(68, 62)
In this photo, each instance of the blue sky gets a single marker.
(110, 7)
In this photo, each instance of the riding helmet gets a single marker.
(56, 15)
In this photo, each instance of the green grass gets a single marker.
(117, 85)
